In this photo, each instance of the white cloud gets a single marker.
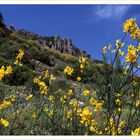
(111, 11)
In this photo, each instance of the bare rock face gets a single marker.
(64, 46)
(54, 42)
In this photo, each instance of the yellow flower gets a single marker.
(119, 109)
(29, 97)
(132, 95)
(73, 103)
(131, 27)
(50, 113)
(134, 83)
(69, 114)
(82, 59)
(4, 122)
(139, 48)
(20, 55)
(19, 58)
(131, 55)
(51, 98)
(9, 70)
(128, 25)
(118, 102)
(97, 104)
(13, 98)
(45, 109)
(5, 104)
(36, 80)
(86, 92)
(2, 73)
(126, 70)
(70, 92)
(46, 73)
(42, 85)
(138, 103)
(136, 132)
(82, 66)
(120, 52)
(68, 70)
(104, 50)
(52, 77)
(78, 78)
(85, 116)
(119, 44)
(34, 115)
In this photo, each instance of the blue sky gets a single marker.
(90, 27)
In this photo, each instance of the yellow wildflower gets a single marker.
(85, 116)
(68, 70)
(138, 103)
(29, 97)
(119, 109)
(104, 50)
(78, 78)
(69, 114)
(45, 109)
(134, 83)
(82, 59)
(118, 102)
(119, 44)
(136, 132)
(120, 52)
(19, 58)
(50, 113)
(73, 103)
(13, 98)
(139, 48)
(70, 92)
(97, 104)
(52, 77)
(86, 92)
(4, 122)
(131, 27)
(46, 73)
(51, 98)
(2, 73)
(5, 104)
(34, 115)
(9, 70)
(131, 55)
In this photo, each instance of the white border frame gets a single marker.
(72, 2)
(132, 2)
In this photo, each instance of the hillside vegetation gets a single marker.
(50, 87)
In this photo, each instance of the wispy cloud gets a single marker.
(111, 11)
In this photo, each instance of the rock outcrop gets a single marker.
(54, 42)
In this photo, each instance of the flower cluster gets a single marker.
(96, 103)
(112, 127)
(86, 116)
(68, 70)
(131, 27)
(131, 55)
(5, 71)
(5, 104)
(4, 122)
(83, 61)
(136, 132)
(19, 58)
(42, 85)
(86, 92)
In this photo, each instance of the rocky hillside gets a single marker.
(54, 42)
(53, 53)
